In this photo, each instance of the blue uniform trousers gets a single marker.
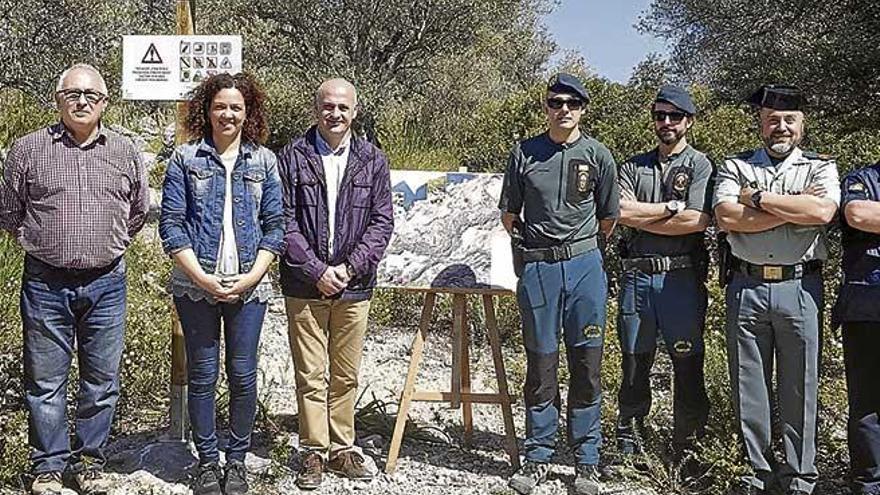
(673, 305)
(569, 296)
(860, 343)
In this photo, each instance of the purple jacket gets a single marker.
(364, 218)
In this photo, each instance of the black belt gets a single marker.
(561, 252)
(657, 264)
(38, 269)
(776, 273)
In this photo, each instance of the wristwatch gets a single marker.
(756, 198)
(349, 270)
(674, 207)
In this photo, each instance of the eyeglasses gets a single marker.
(674, 117)
(557, 103)
(73, 95)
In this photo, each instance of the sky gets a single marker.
(602, 32)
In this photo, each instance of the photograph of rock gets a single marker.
(447, 233)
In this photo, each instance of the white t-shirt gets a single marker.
(334, 162)
(227, 259)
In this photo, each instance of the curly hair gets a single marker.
(198, 109)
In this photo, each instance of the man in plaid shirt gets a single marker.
(73, 194)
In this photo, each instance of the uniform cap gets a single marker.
(677, 96)
(567, 83)
(778, 97)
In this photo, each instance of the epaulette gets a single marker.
(742, 155)
(812, 155)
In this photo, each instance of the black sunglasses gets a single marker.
(674, 117)
(72, 95)
(557, 103)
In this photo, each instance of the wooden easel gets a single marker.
(460, 394)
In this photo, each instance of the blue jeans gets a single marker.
(67, 311)
(201, 327)
(563, 299)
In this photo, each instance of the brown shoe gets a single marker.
(350, 464)
(311, 472)
(92, 482)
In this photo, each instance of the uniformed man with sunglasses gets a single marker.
(559, 202)
(774, 203)
(666, 201)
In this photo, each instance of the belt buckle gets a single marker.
(771, 272)
(559, 252)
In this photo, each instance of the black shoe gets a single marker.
(235, 479)
(797, 492)
(630, 436)
(208, 480)
(744, 488)
(528, 477)
(586, 480)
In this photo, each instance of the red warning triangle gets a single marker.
(152, 55)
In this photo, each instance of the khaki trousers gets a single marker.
(326, 341)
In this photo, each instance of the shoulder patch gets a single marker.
(856, 187)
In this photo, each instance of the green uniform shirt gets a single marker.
(686, 176)
(560, 190)
(789, 243)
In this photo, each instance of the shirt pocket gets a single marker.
(580, 181)
(253, 181)
(201, 179)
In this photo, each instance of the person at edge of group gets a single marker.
(859, 314)
(74, 195)
(338, 211)
(774, 203)
(666, 201)
(559, 202)
(222, 223)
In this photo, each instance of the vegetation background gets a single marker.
(443, 84)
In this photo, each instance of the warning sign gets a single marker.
(152, 55)
(169, 67)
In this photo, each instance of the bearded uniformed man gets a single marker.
(666, 200)
(559, 201)
(774, 203)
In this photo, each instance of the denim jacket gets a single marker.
(193, 197)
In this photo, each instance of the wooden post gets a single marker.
(179, 429)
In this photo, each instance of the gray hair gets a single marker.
(80, 67)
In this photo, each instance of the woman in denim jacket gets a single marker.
(222, 223)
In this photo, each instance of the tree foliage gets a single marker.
(733, 46)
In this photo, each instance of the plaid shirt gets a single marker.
(73, 206)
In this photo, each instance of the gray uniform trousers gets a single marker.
(779, 321)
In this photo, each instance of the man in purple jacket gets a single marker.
(337, 205)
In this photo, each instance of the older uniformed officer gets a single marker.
(858, 311)
(774, 203)
(666, 199)
(559, 198)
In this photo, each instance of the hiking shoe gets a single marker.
(208, 480)
(745, 488)
(586, 480)
(350, 464)
(528, 477)
(91, 481)
(235, 479)
(630, 436)
(47, 484)
(311, 472)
